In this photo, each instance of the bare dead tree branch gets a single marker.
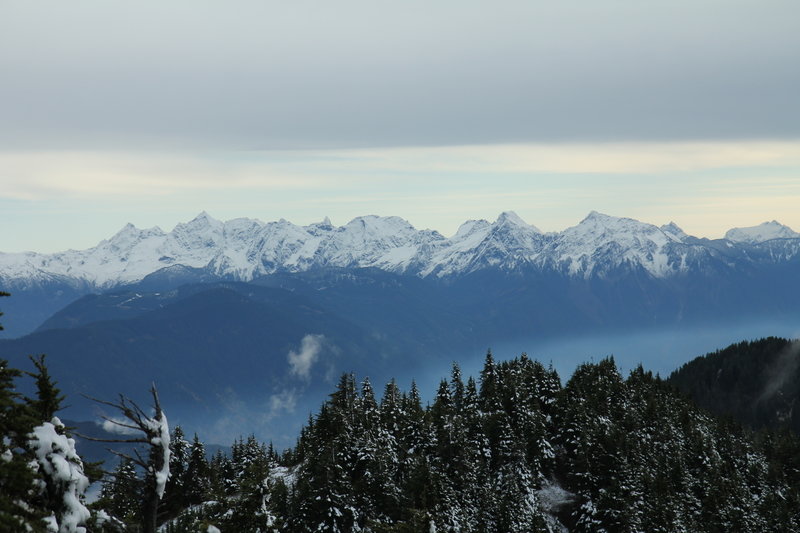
(137, 460)
(103, 439)
(155, 435)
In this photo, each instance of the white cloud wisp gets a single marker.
(300, 362)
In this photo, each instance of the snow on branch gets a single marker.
(154, 432)
(57, 459)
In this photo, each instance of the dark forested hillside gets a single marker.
(755, 382)
(197, 344)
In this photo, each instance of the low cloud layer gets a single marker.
(300, 362)
(113, 425)
(284, 401)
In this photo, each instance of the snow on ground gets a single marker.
(552, 497)
(282, 473)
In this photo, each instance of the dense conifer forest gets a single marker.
(513, 451)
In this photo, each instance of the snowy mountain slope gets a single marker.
(243, 249)
(761, 233)
(205, 345)
(507, 243)
(673, 231)
(601, 243)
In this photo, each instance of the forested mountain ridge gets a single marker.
(755, 382)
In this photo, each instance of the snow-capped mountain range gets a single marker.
(243, 249)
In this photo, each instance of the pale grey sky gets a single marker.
(150, 112)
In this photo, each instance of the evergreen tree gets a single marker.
(249, 508)
(62, 482)
(178, 483)
(489, 386)
(456, 387)
(325, 493)
(17, 480)
(48, 396)
(222, 477)
(197, 480)
(41, 474)
(121, 493)
(391, 408)
(515, 504)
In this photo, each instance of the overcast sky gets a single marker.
(150, 112)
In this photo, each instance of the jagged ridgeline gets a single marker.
(516, 452)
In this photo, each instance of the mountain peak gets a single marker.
(615, 224)
(510, 217)
(325, 223)
(127, 231)
(673, 230)
(380, 223)
(130, 233)
(320, 228)
(513, 219)
(470, 226)
(763, 232)
(597, 217)
(203, 217)
(202, 222)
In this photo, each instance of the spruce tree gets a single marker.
(121, 493)
(178, 483)
(197, 480)
(62, 481)
(17, 480)
(48, 397)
